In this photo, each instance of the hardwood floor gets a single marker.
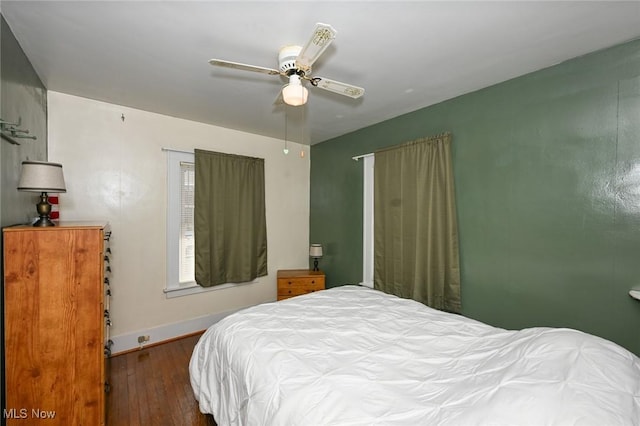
(151, 387)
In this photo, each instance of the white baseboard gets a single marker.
(127, 342)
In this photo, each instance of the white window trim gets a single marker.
(173, 288)
(367, 221)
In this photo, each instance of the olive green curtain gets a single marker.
(229, 218)
(415, 227)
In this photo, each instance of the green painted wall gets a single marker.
(22, 97)
(547, 174)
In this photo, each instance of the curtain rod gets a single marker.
(177, 150)
(357, 157)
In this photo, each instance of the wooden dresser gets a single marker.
(56, 323)
(294, 282)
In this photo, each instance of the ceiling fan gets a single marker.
(294, 63)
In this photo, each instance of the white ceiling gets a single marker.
(407, 55)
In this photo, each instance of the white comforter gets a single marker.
(356, 356)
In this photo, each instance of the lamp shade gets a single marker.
(315, 250)
(41, 176)
(294, 93)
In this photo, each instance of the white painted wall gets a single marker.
(115, 170)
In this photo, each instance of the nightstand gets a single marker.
(294, 282)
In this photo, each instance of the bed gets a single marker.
(356, 356)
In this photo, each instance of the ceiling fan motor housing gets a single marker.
(287, 60)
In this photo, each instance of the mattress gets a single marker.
(356, 356)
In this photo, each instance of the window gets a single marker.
(367, 221)
(180, 241)
(180, 226)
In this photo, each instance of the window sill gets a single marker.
(186, 290)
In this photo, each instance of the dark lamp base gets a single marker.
(44, 209)
(44, 221)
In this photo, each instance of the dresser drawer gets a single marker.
(290, 286)
(300, 286)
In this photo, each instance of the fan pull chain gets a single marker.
(285, 150)
(302, 132)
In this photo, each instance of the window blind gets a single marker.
(187, 240)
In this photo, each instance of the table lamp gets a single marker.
(42, 177)
(315, 251)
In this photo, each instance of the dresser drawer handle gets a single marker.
(313, 282)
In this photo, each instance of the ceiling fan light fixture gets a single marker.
(294, 93)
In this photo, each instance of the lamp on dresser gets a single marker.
(42, 177)
(315, 251)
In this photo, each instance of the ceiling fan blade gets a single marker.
(338, 87)
(279, 99)
(321, 38)
(245, 67)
